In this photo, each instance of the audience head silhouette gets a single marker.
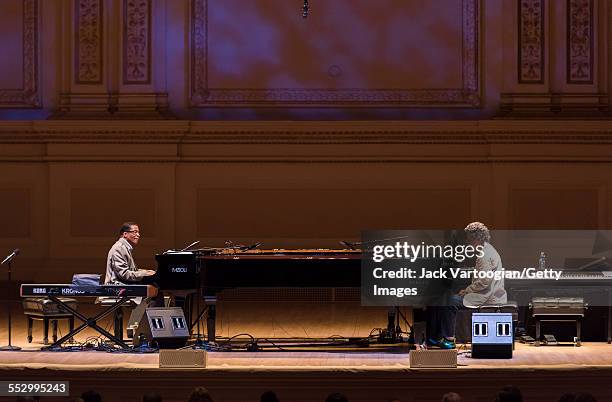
(91, 396)
(268, 396)
(452, 397)
(336, 397)
(584, 397)
(200, 394)
(509, 393)
(151, 397)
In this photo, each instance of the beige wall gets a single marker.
(294, 132)
(66, 186)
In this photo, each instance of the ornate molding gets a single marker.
(308, 133)
(201, 95)
(137, 42)
(122, 106)
(580, 41)
(28, 95)
(569, 105)
(89, 53)
(531, 41)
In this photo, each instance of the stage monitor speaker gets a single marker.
(492, 335)
(187, 358)
(427, 358)
(164, 327)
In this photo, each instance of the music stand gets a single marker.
(9, 347)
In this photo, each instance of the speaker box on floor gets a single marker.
(164, 327)
(433, 358)
(492, 335)
(187, 358)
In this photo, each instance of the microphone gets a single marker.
(10, 256)
(349, 245)
(252, 246)
(191, 245)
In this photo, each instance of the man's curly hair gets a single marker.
(477, 231)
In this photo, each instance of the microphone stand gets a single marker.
(9, 347)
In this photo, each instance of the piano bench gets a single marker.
(45, 310)
(558, 309)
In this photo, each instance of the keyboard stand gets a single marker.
(88, 322)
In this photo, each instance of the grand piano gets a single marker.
(227, 268)
(323, 268)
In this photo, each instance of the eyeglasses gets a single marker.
(133, 231)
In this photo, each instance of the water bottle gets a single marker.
(542, 262)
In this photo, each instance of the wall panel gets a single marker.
(237, 50)
(96, 212)
(24, 215)
(90, 201)
(541, 208)
(16, 219)
(336, 213)
(19, 64)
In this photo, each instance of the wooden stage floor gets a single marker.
(543, 373)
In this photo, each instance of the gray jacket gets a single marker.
(485, 291)
(120, 265)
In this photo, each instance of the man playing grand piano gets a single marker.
(482, 291)
(120, 265)
(121, 270)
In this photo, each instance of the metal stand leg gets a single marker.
(118, 323)
(537, 334)
(89, 322)
(30, 324)
(578, 328)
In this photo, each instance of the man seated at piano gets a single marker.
(120, 265)
(122, 270)
(482, 291)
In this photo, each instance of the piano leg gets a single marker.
(609, 334)
(210, 319)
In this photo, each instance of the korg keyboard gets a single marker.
(45, 290)
(120, 293)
